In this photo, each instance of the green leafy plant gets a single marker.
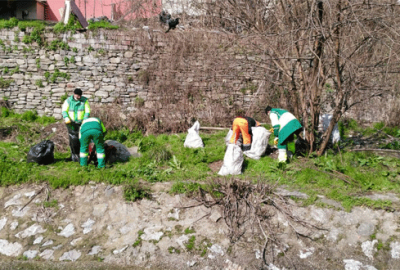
(5, 83)
(39, 83)
(136, 191)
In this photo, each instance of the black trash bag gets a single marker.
(74, 144)
(42, 153)
(302, 147)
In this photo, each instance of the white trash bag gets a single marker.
(233, 160)
(324, 121)
(228, 137)
(259, 142)
(193, 139)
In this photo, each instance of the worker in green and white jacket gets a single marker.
(74, 110)
(92, 129)
(284, 125)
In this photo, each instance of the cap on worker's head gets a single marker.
(268, 109)
(78, 91)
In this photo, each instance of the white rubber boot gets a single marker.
(282, 155)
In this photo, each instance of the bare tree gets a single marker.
(354, 44)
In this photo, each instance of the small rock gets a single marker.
(3, 222)
(13, 201)
(30, 254)
(117, 251)
(395, 250)
(87, 226)
(182, 240)
(215, 215)
(47, 254)
(76, 241)
(109, 191)
(153, 233)
(95, 250)
(72, 255)
(174, 214)
(258, 254)
(30, 194)
(306, 253)
(38, 240)
(32, 230)
(68, 231)
(10, 249)
(217, 249)
(47, 243)
(190, 263)
(369, 249)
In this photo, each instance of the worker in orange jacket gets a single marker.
(242, 125)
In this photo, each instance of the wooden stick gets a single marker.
(384, 150)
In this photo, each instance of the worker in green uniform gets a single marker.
(92, 129)
(284, 125)
(75, 109)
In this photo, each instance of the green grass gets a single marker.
(101, 24)
(343, 177)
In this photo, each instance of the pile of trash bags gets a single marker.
(233, 159)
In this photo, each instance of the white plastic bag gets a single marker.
(259, 142)
(228, 137)
(193, 139)
(233, 160)
(324, 121)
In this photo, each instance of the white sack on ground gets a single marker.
(233, 160)
(259, 143)
(324, 121)
(193, 139)
(122, 154)
(228, 137)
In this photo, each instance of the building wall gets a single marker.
(39, 11)
(98, 8)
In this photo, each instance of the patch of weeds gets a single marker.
(99, 259)
(191, 243)
(38, 62)
(47, 75)
(205, 244)
(75, 50)
(90, 49)
(5, 71)
(57, 74)
(172, 250)
(72, 60)
(72, 25)
(178, 228)
(66, 60)
(144, 76)
(159, 153)
(11, 23)
(39, 83)
(53, 203)
(138, 241)
(136, 191)
(139, 102)
(101, 24)
(14, 70)
(5, 83)
(189, 230)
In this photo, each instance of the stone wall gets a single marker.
(182, 74)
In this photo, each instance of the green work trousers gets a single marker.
(98, 139)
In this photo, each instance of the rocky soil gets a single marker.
(92, 227)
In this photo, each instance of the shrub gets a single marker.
(29, 116)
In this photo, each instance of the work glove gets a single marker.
(271, 130)
(67, 121)
(276, 140)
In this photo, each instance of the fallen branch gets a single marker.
(375, 150)
(33, 197)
